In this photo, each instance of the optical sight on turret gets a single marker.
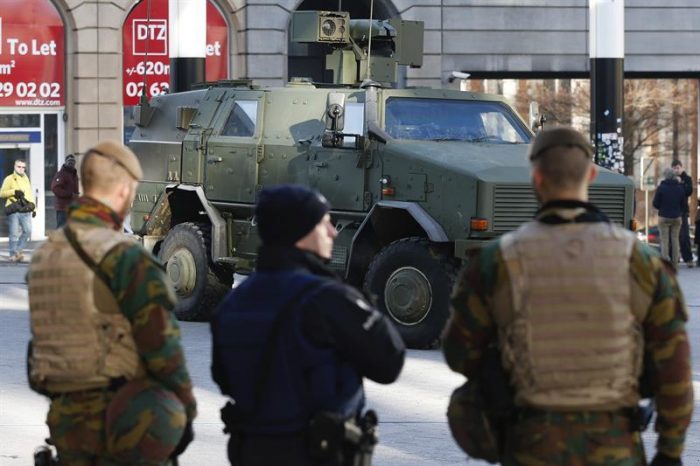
(381, 45)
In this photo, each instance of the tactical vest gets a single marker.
(80, 338)
(570, 324)
(302, 378)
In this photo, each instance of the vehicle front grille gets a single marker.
(515, 204)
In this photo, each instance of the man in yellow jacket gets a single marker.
(20, 207)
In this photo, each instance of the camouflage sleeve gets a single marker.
(667, 349)
(470, 328)
(147, 299)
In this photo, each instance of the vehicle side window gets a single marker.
(354, 122)
(241, 121)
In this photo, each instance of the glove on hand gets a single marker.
(19, 193)
(33, 213)
(662, 460)
(185, 440)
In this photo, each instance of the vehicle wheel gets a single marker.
(199, 284)
(413, 283)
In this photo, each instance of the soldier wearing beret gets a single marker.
(575, 305)
(292, 343)
(105, 345)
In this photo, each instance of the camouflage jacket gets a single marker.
(146, 298)
(471, 328)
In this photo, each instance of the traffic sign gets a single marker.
(647, 173)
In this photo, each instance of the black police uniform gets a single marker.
(337, 318)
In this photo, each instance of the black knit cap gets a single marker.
(286, 213)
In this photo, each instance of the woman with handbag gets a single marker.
(20, 207)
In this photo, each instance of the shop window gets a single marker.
(20, 120)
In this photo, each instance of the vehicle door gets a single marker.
(339, 172)
(234, 150)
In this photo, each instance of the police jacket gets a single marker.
(327, 338)
(669, 199)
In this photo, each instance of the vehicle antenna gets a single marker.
(369, 44)
(144, 97)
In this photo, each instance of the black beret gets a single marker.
(286, 213)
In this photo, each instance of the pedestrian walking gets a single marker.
(20, 208)
(684, 235)
(292, 344)
(105, 345)
(65, 189)
(572, 303)
(669, 200)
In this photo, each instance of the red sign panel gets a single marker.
(31, 54)
(146, 49)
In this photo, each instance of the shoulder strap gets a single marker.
(85, 257)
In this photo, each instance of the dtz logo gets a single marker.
(150, 37)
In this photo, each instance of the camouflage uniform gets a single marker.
(585, 437)
(84, 426)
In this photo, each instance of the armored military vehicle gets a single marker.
(417, 177)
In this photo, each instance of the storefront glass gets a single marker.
(51, 166)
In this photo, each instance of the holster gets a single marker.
(44, 455)
(343, 442)
(642, 415)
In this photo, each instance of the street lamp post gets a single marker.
(607, 52)
(187, 43)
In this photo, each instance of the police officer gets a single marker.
(105, 345)
(573, 303)
(292, 343)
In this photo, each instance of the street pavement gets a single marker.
(413, 428)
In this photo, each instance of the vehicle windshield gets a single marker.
(452, 120)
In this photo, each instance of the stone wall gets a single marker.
(475, 36)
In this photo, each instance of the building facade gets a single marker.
(70, 70)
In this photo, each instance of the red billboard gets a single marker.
(31, 54)
(146, 49)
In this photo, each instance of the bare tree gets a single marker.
(657, 118)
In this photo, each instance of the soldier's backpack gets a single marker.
(479, 410)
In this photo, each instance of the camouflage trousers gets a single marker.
(574, 439)
(139, 425)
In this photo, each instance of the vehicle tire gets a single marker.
(199, 284)
(413, 282)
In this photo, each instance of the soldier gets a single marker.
(20, 208)
(292, 344)
(105, 345)
(573, 303)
